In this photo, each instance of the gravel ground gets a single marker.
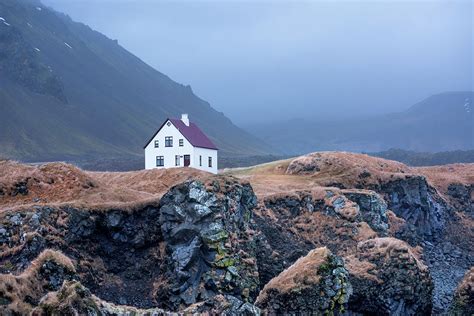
(447, 265)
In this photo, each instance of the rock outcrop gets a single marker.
(463, 302)
(388, 278)
(316, 284)
(372, 209)
(292, 224)
(19, 294)
(412, 199)
(210, 243)
(407, 194)
(196, 243)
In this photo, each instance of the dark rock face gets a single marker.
(418, 203)
(128, 244)
(295, 204)
(210, 247)
(372, 207)
(461, 196)
(388, 279)
(277, 249)
(314, 284)
(75, 299)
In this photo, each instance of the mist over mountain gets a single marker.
(261, 61)
(67, 91)
(442, 122)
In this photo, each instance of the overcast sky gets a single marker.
(290, 59)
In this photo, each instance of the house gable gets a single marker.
(157, 131)
(191, 132)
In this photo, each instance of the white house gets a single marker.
(180, 143)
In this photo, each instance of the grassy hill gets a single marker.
(67, 92)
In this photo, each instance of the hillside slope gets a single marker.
(442, 122)
(67, 91)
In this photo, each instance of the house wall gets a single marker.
(205, 154)
(169, 153)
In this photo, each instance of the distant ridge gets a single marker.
(417, 159)
(442, 122)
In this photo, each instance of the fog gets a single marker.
(278, 60)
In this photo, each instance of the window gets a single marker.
(176, 160)
(181, 142)
(160, 161)
(157, 143)
(169, 141)
(200, 161)
(210, 162)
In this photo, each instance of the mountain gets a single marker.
(442, 122)
(67, 91)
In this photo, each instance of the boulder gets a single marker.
(388, 278)
(315, 284)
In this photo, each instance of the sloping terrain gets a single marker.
(323, 233)
(442, 122)
(69, 92)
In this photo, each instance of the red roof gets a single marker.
(192, 133)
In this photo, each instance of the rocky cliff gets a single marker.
(317, 234)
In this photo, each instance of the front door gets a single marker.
(187, 160)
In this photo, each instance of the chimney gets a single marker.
(185, 119)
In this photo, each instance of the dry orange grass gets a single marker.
(330, 168)
(60, 183)
(301, 274)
